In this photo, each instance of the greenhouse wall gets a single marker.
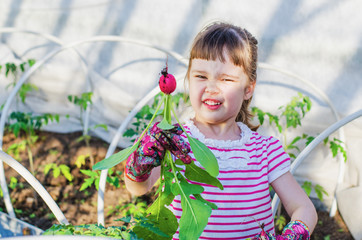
(317, 41)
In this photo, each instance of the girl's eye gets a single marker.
(228, 80)
(200, 76)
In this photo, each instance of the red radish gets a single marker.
(167, 82)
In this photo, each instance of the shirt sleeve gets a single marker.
(278, 159)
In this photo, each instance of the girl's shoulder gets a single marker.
(260, 139)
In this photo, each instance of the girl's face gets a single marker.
(217, 90)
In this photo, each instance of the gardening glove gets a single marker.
(152, 149)
(294, 230)
(263, 235)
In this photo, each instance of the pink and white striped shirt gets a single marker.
(247, 167)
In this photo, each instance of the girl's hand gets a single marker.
(152, 149)
(263, 236)
(294, 230)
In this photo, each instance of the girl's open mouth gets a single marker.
(212, 104)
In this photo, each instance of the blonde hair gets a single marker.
(241, 47)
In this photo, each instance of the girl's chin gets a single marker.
(211, 119)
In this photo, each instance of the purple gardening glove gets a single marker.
(294, 230)
(152, 149)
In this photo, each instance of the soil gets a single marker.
(80, 207)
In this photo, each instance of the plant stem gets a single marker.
(28, 146)
(89, 150)
(30, 155)
(149, 124)
(182, 193)
(178, 120)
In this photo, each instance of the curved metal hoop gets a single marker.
(331, 129)
(6, 196)
(84, 64)
(138, 106)
(148, 97)
(41, 62)
(36, 185)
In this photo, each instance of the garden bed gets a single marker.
(80, 207)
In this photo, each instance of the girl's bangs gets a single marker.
(212, 47)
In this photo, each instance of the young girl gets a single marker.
(221, 77)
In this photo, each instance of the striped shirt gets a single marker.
(247, 167)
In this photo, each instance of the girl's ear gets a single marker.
(249, 90)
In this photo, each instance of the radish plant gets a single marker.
(144, 115)
(196, 210)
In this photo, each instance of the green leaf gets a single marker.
(104, 126)
(56, 171)
(66, 172)
(47, 168)
(87, 183)
(194, 173)
(163, 225)
(89, 173)
(334, 148)
(130, 133)
(204, 155)
(307, 186)
(96, 183)
(296, 139)
(210, 204)
(81, 160)
(259, 113)
(320, 191)
(115, 158)
(309, 140)
(164, 125)
(186, 188)
(280, 222)
(153, 111)
(191, 224)
(31, 62)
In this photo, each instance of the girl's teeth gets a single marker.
(212, 103)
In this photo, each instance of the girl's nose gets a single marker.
(211, 87)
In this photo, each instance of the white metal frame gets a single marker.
(14, 164)
(148, 97)
(331, 129)
(36, 66)
(139, 105)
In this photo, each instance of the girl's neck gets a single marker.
(225, 131)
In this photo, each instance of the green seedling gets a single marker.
(280, 222)
(81, 160)
(28, 124)
(113, 178)
(13, 69)
(92, 230)
(58, 170)
(83, 102)
(291, 116)
(196, 210)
